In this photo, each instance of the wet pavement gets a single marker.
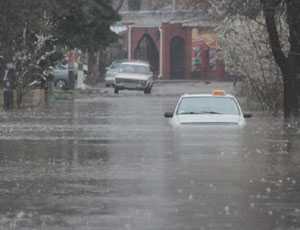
(110, 162)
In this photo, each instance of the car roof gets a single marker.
(141, 63)
(206, 95)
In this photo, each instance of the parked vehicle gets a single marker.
(217, 108)
(61, 77)
(134, 75)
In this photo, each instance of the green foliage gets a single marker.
(75, 23)
(19, 21)
(84, 24)
(32, 30)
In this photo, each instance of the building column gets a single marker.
(174, 5)
(130, 43)
(189, 52)
(161, 51)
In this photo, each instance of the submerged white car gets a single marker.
(217, 108)
(134, 75)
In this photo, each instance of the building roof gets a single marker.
(156, 18)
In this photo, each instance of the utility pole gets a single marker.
(173, 5)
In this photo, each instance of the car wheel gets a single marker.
(147, 90)
(116, 90)
(60, 84)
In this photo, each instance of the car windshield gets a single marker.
(114, 65)
(130, 68)
(61, 67)
(208, 105)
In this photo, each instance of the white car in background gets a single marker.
(134, 75)
(213, 109)
(111, 71)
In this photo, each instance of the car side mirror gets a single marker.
(247, 115)
(168, 115)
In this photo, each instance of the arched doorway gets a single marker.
(147, 51)
(177, 58)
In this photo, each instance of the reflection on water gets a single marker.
(271, 154)
(106, 163)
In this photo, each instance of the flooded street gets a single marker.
(112, 162)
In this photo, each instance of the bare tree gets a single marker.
(118, 5)
(271, 10)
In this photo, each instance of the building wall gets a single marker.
(176, 30)
(150, 20)
(208, 60)
(169, 32)
(139, 32)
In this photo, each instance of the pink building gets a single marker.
(177, 49)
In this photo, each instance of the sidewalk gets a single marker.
(162, 81)
(175, 81)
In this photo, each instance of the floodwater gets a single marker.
(107, 162)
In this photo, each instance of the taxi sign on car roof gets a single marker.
(218, 92)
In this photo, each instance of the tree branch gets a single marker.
(119, 6)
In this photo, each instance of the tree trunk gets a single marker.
(293, 20)
(103, 62)
(287, 65)
(19, 95)
(290, 90)
(93, 66)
